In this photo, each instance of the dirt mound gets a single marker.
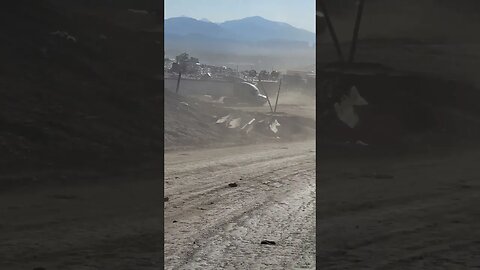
(187, 124)
(190, 122)
(76, 92)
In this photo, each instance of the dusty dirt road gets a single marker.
(209, 225)
(418, 212)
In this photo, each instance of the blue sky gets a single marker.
(298, 13)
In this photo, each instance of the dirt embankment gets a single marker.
(77, 92)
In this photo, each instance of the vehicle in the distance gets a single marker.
(245, 93)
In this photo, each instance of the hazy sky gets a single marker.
(298, 13)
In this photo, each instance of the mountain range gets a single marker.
(252, 42)
(250, 29)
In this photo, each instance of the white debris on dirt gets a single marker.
(235, 123)
(221, 100)
(224, 119)
(201, 123)
(274, 126)
(249, 128)
(346, 114)
(64, 35)
(248, 124)
(345, 110)
(357, 99)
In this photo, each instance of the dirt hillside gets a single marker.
(77, 91)
(192, 123)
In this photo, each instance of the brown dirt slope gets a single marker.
(88, 102)
(191, 123)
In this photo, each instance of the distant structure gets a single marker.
(168, 63)
(193, 69)
(299, 79)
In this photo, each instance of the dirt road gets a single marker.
(399, 213)
(210, 225)
(373, 213)
(114, 224)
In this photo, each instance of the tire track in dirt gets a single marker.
(282, 218)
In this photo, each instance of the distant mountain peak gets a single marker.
(255, 18)
(249, 29)
(250, 19)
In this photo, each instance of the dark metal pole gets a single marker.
(178, 81)
(331, 29)
(266, 94)
(278, 94)
(355, 31)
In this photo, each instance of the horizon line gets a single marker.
(201, 19)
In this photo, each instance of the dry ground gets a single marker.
(420, 212)
(209, 225)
